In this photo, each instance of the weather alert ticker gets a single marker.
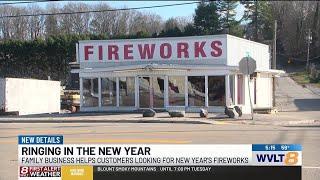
(48, 157)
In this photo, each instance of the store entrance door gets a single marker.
(151, 92)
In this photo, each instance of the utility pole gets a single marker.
(274, 59)
(309, 39)
(274, 63)
(256, 20)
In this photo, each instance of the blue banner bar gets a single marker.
(276, 147)
(40, 139)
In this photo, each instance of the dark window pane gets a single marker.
(90, 92)
(216, 90)
(108, 91)
(158, 92)
(176, 90)
(196, 90)
(126, 94)
(144, 92)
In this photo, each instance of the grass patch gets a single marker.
(302, 78)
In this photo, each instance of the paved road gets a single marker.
(167, 133)
(291, 96)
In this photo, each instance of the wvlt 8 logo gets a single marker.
(288, 158)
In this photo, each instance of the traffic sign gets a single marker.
(247, 65)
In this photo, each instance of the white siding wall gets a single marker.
(264, 91)
(238, 47)
(29, 96)
(246, 108)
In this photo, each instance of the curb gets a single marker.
(303, 122)
(108, 121)
(286, 123)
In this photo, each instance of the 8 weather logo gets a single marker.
(288, 158)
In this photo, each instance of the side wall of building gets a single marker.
(238, 48)
(262, 92)
(29, 96)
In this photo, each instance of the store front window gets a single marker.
(216, 90)
(126, 91)
(176, 90)
(196, 90)
(108, 91)
(157, 91)
(90, 92)
(151, 92)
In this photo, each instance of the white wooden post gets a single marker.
(136, 90)
(235, 89)
(99, 92)
(81, 92)
(166, 95)
(117, 91)
(206, 91)
(228, 100)
(186, 91)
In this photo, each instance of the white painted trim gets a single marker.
(117, 91)
(186, 91)
(99, 92)
(227, 89)
(161, 38)
(151, 92)
(81, 92)
(166, 95)
(136, 89)
(206, 90)
(235, 90)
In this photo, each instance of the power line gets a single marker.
(96, 11)
(24, 2)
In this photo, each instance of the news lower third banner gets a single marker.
(47, 156)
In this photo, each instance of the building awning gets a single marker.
(272, 71)
(157, 67)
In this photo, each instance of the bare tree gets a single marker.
(183, 21)
(154, 23)
(111, 23)
(101, 22)
(75, 23)
(14, 28)
(170, 24)
(36, 23)
(51, 22)
(295, 18)
(119, 25)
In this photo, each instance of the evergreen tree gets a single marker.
(189, 30)
(206, 19)
(260, 18)
(227, 20)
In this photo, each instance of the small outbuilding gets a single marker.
(29, 96)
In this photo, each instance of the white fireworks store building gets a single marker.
(180, 73)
